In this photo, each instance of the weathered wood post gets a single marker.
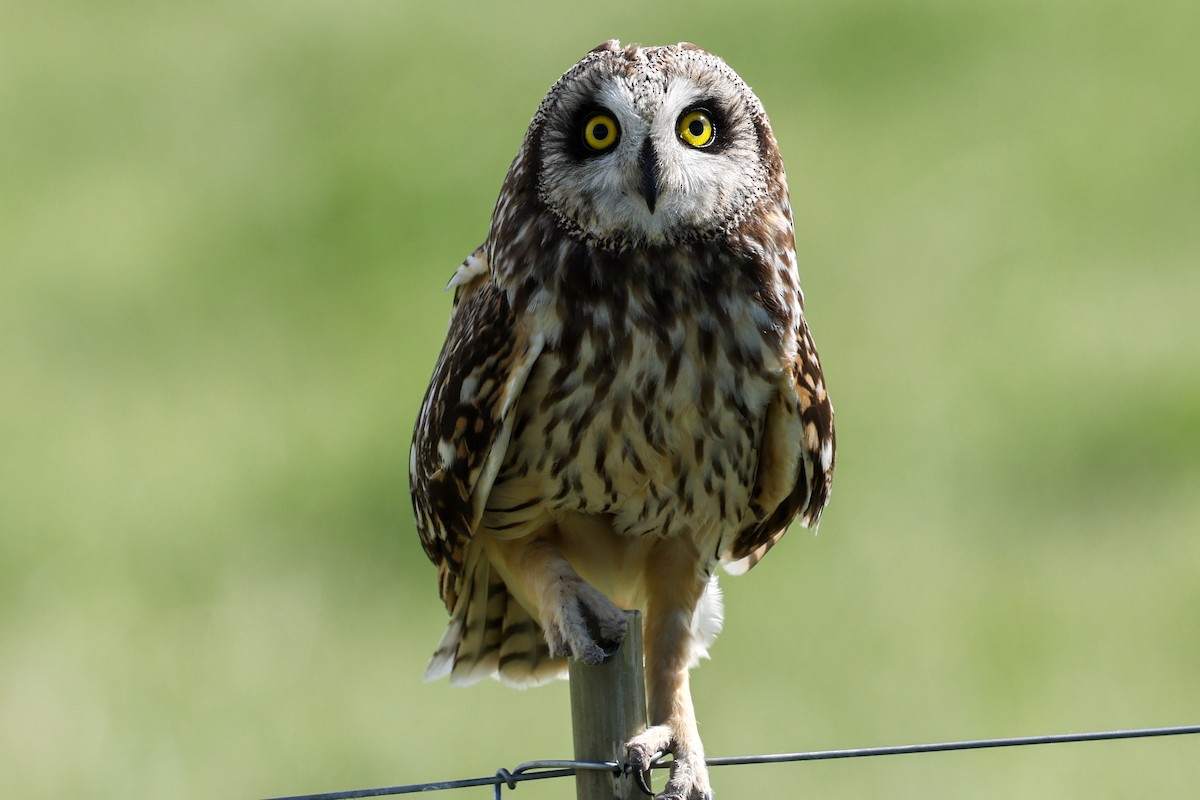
(608, 707)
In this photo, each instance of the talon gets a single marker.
(609, 648)
(639, 779)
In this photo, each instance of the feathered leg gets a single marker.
(578, 620)
(673, 596)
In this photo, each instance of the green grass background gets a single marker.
(224, 231)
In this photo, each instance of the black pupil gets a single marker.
(600, 131)
(696, 128)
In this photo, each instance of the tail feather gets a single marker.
(525, 658)
(443, 657)
(478, 651)
(492, 635)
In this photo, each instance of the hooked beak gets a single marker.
(648, 161)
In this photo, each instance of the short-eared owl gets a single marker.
(628, 393)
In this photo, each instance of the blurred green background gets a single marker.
(224, 232)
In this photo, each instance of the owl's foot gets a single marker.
(689, 773)
(584, 624)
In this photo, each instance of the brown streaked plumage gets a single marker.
(628, 393)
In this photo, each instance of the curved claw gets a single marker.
(609, 649)
(641, 772)
(640, 780)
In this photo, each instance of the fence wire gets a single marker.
(539, 770)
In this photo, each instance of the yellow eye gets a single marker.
(696, 129)
(600, 132)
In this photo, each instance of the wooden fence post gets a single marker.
(608, 708)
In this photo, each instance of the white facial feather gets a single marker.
(702, 191)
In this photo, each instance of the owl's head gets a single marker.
(651, 146)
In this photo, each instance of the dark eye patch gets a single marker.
(720, 122)
(577, 137)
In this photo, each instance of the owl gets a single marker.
(628, 394)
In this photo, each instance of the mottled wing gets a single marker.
(796, 459)
(463, 429)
